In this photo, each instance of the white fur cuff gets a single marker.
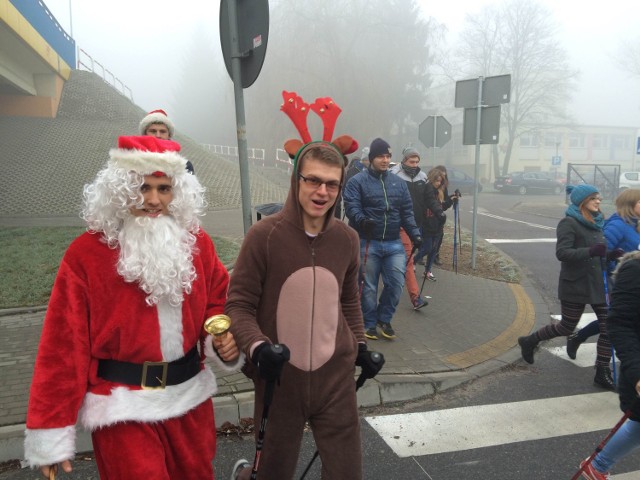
(210, 352)
(49, 446)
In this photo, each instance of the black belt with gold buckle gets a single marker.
(151, 375)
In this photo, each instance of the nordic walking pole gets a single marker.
(376, 358)
(413, 251)
(455, 235)
(268, 397)
(364, 266)
(604, 442)
(603, 266)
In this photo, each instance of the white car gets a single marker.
(629, 180)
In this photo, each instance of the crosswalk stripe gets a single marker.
(450, 430)
(520, 240)
(585, 357)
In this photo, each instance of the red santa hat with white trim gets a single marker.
(156, 116)
(148, 155)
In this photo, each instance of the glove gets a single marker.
(598, 250)
(370, 362)
(615, 254)
(417, 242)
(270, 359)
(368, 227)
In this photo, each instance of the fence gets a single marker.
(605, 178)
(106, 75)
(257, 156)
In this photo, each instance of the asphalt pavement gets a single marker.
(468, 330)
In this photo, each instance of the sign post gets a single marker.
(481, 98)
(244, 29)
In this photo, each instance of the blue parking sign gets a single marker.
(638, 146)
(556, 160)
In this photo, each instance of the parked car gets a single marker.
(528, 182)
(458, 180)
(629, 180)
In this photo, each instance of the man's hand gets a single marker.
(368, 227)
(270, 360)
(417, 242)
(46, 469)
(226, 347)
(370, 362)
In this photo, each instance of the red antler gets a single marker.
(329, 112)
(297, 110)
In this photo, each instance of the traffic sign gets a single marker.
(556, 160)
(251, 37)
(434, 131)
(638, 146)
(489, 125)
(495, 91)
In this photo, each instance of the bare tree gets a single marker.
(628, 56)
(519, 37)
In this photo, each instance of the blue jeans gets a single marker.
(626, 439)
(386, 258)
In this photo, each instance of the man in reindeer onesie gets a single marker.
(123, 344)
(295, 283)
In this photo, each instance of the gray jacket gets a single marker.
(580, 274)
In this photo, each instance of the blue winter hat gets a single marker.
(379, 147)
(579, 192)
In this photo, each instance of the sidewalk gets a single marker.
(468, 330)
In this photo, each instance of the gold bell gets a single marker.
(217, 325)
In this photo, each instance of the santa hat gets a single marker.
(148, 155)
(156, 116)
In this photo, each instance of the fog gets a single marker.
(145, 45)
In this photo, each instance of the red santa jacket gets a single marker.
(94, 314)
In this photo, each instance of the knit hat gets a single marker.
(379, 147)
(148, 155)
(579, 192)
(156, 116)
(409, 152)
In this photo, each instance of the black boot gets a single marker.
(573, 343)
(603, 378)
(528, 346)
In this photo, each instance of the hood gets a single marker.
(635, 255)
(292, 210)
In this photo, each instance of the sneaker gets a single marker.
(238, 467)
(387, 331)
(371, 333)
(431, 276)
(419, 303)
(590, 473)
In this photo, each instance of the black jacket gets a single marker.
(623, 327)
(434, 217)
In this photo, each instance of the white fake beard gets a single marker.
(157, 253)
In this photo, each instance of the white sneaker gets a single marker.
(238, 467)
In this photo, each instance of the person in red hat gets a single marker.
(123, 343)
(157, 124)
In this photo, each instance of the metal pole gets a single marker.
(435, 123)
(70, 21)
(476, 175)
(241, 127)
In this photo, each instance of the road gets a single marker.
(525, 422)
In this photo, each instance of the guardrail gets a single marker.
(255, 154)
(106, 75)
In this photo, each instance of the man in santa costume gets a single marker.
(123, 343)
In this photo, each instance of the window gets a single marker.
(599, 141)
(529, 140)
(620, 142)
(552, 139)
(576, 140)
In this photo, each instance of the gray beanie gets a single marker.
(409, 152)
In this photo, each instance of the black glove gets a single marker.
(417, 242)
(368, 227)
(615, 254)
(598, 250)
(270, 359)
(370, 362)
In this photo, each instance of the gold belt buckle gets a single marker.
(163, 380)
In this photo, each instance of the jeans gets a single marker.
(387, 259)
(626, 439)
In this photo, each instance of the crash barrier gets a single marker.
(254, 155)
(87, 61)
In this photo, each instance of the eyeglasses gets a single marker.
(313, 182)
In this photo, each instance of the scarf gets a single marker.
(598, 218)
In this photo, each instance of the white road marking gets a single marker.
(455, 429)
(498, 217)
(521, 240)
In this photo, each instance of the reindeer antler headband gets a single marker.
(328, 111)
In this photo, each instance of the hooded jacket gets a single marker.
(623, 328)
(416, 185)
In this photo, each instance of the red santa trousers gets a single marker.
(181, 447)
(410, 275)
